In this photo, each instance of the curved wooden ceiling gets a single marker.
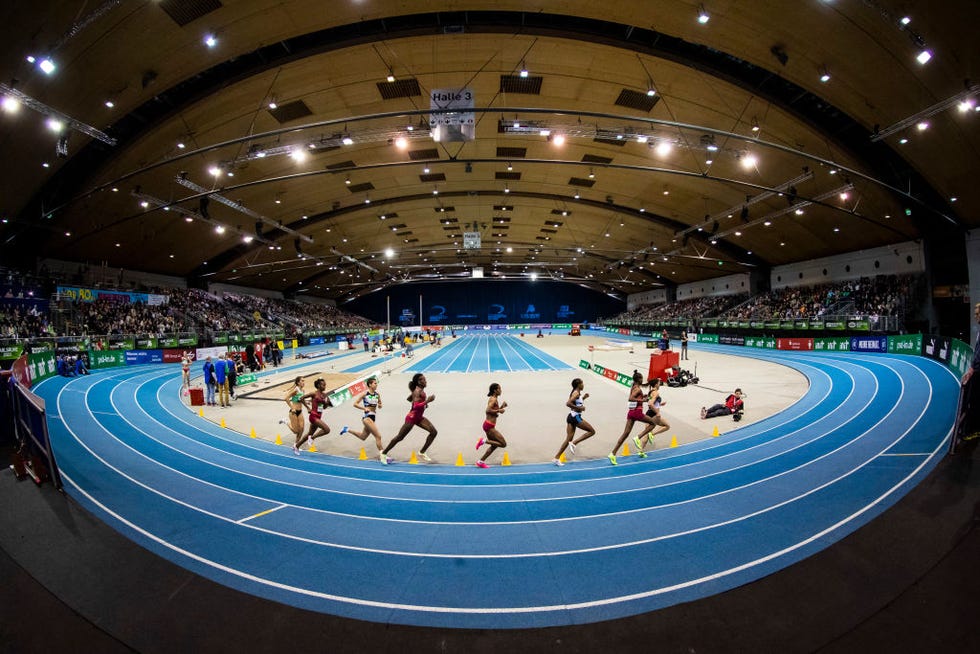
(643, 217)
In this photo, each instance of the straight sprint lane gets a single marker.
(599, 599)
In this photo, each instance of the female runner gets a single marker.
(653, 412)
(634, 414)
(185, 369)
(419, 401)
(576, 402)
(294, 399)
(493, 437)
(369, 402)
(316, 402)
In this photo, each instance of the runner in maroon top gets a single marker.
(415, 416)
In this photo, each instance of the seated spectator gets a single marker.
(733, 406)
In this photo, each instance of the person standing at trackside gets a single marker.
(315, 402)
(574, 420)
(653, 412)
(294, 400)
(971, 390)
(209, 382)
(491, 435)
(185, 371)
(683, 344)
(420, 401)
(221, 379)
(734, 404)
(231, 374)
(665, 340)
(369, 402)
(634, 414)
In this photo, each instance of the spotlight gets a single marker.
(347, 140)
(558, 139)
(924, 57)
(391, 76)
(524, 72)
(824, 74)
(703, 16)
(55, 125)
(210, 40)
(10, 104)
(48, 67)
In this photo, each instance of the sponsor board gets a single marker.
(801, 344)
(960, 356)
(936, 347)
(202, 353)
(139, 357)
(836, 344)
(106, 358)
(41, 366)
(708, 338)
(173, 356)
(351, 390)
(869, 344)
(905, 344)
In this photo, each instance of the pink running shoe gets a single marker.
(482, 464)
(480, 442)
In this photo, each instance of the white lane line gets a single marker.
(522, 609)
(526, 554)
(908, 454)
(262, 513)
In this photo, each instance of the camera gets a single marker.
(737, 416)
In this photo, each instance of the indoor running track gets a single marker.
(520, 546)
(488, 353)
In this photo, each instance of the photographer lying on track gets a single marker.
(733, 406)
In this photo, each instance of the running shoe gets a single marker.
(425, 457)
(642, 454)
(636, 441)
(571, 447)
(558, 462)
(482, 464)
(704, 413)
(295, 450)
(344, 430)
(480, 442)
(612, 459)
(383, 458)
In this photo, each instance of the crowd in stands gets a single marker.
(887, 295)
(209, 311)
(108, 316)
(20, 322)
(298, 315)
(24, 314)
(693, 308)
(871, 296)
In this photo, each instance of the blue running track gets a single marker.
(520, 546)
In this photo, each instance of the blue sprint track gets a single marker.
(510, 547)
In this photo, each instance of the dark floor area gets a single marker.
(907, 582)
